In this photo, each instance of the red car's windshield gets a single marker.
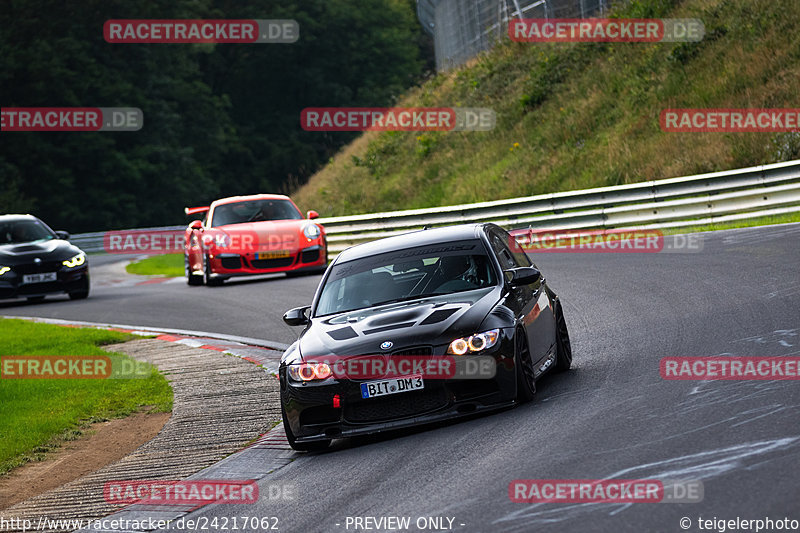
(254, 211)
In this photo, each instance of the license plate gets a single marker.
(371, 389)
(39, 278)
(279, 254)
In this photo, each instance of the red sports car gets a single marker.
(247, 235)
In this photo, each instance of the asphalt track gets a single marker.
(612, 416)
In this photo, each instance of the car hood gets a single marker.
(52, 250)
(430, 321)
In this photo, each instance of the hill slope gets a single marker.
(572, 116)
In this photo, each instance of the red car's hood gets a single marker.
(264, 236)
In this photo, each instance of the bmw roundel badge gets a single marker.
(385, 345)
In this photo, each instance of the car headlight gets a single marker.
(3, 270)
(72, 262)
(311, 231)
(474, 343)
(309, 371)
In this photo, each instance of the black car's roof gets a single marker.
(461, 232)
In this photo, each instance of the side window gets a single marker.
(508, 250)
(502, 251)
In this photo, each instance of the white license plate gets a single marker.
(371, 389)
(39, 278)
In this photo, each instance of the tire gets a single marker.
(33, 299)
(207, 278)
(316, 446)
(191, 279)
(526, 385)
(83, 293)
(563, 346)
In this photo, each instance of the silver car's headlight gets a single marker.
(72, 262)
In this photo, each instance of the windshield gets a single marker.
(254, 211)
(406, 275)
(21, 231)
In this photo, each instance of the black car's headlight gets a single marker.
(3, 270)
(474, 343)
(72, 262)
(309, 371)
(311, 231)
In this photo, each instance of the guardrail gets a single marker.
(674, 202)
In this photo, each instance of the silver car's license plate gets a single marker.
(371, 389)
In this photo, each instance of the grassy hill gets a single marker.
(572, 116)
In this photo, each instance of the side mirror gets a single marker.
(524, 276)
(311, 215)
(196, 224)
(297, 316)
(63, 235)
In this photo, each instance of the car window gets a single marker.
(509, 252)
(254, 211)
(21, 231)
(395, 277)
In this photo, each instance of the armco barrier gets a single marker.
(674, 202)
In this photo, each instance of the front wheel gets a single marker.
(316, 446)
(563, 346)
(82, 293)
(191, 279)
(526, 384)
(209, 279)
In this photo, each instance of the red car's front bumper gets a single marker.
(313, 257)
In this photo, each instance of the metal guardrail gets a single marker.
(674, 202)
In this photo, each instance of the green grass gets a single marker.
(747, 223)
(574, 116)
(36, 415)
(167, 265)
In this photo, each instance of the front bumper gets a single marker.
(67, 280)
(310, 413)
(310, 258)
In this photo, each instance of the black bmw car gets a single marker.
(36, 261)
(389, 314)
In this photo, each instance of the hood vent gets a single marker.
(342, 334)
(437, 316)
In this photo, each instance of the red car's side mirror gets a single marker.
(312, 215)
(196, 224)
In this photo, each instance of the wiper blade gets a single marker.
(409, 298)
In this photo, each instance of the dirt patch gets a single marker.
(103, 444)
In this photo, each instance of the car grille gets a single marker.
(416, 350)
(34, 268)
(309, 256)
(231, 263)
(272, 263)
(396, 406)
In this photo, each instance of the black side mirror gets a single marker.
(297, 316)
(523, 276)
(63, 235)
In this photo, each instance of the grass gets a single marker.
(36, 415)
(746, 223)
(573, 116)
(167, 265)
